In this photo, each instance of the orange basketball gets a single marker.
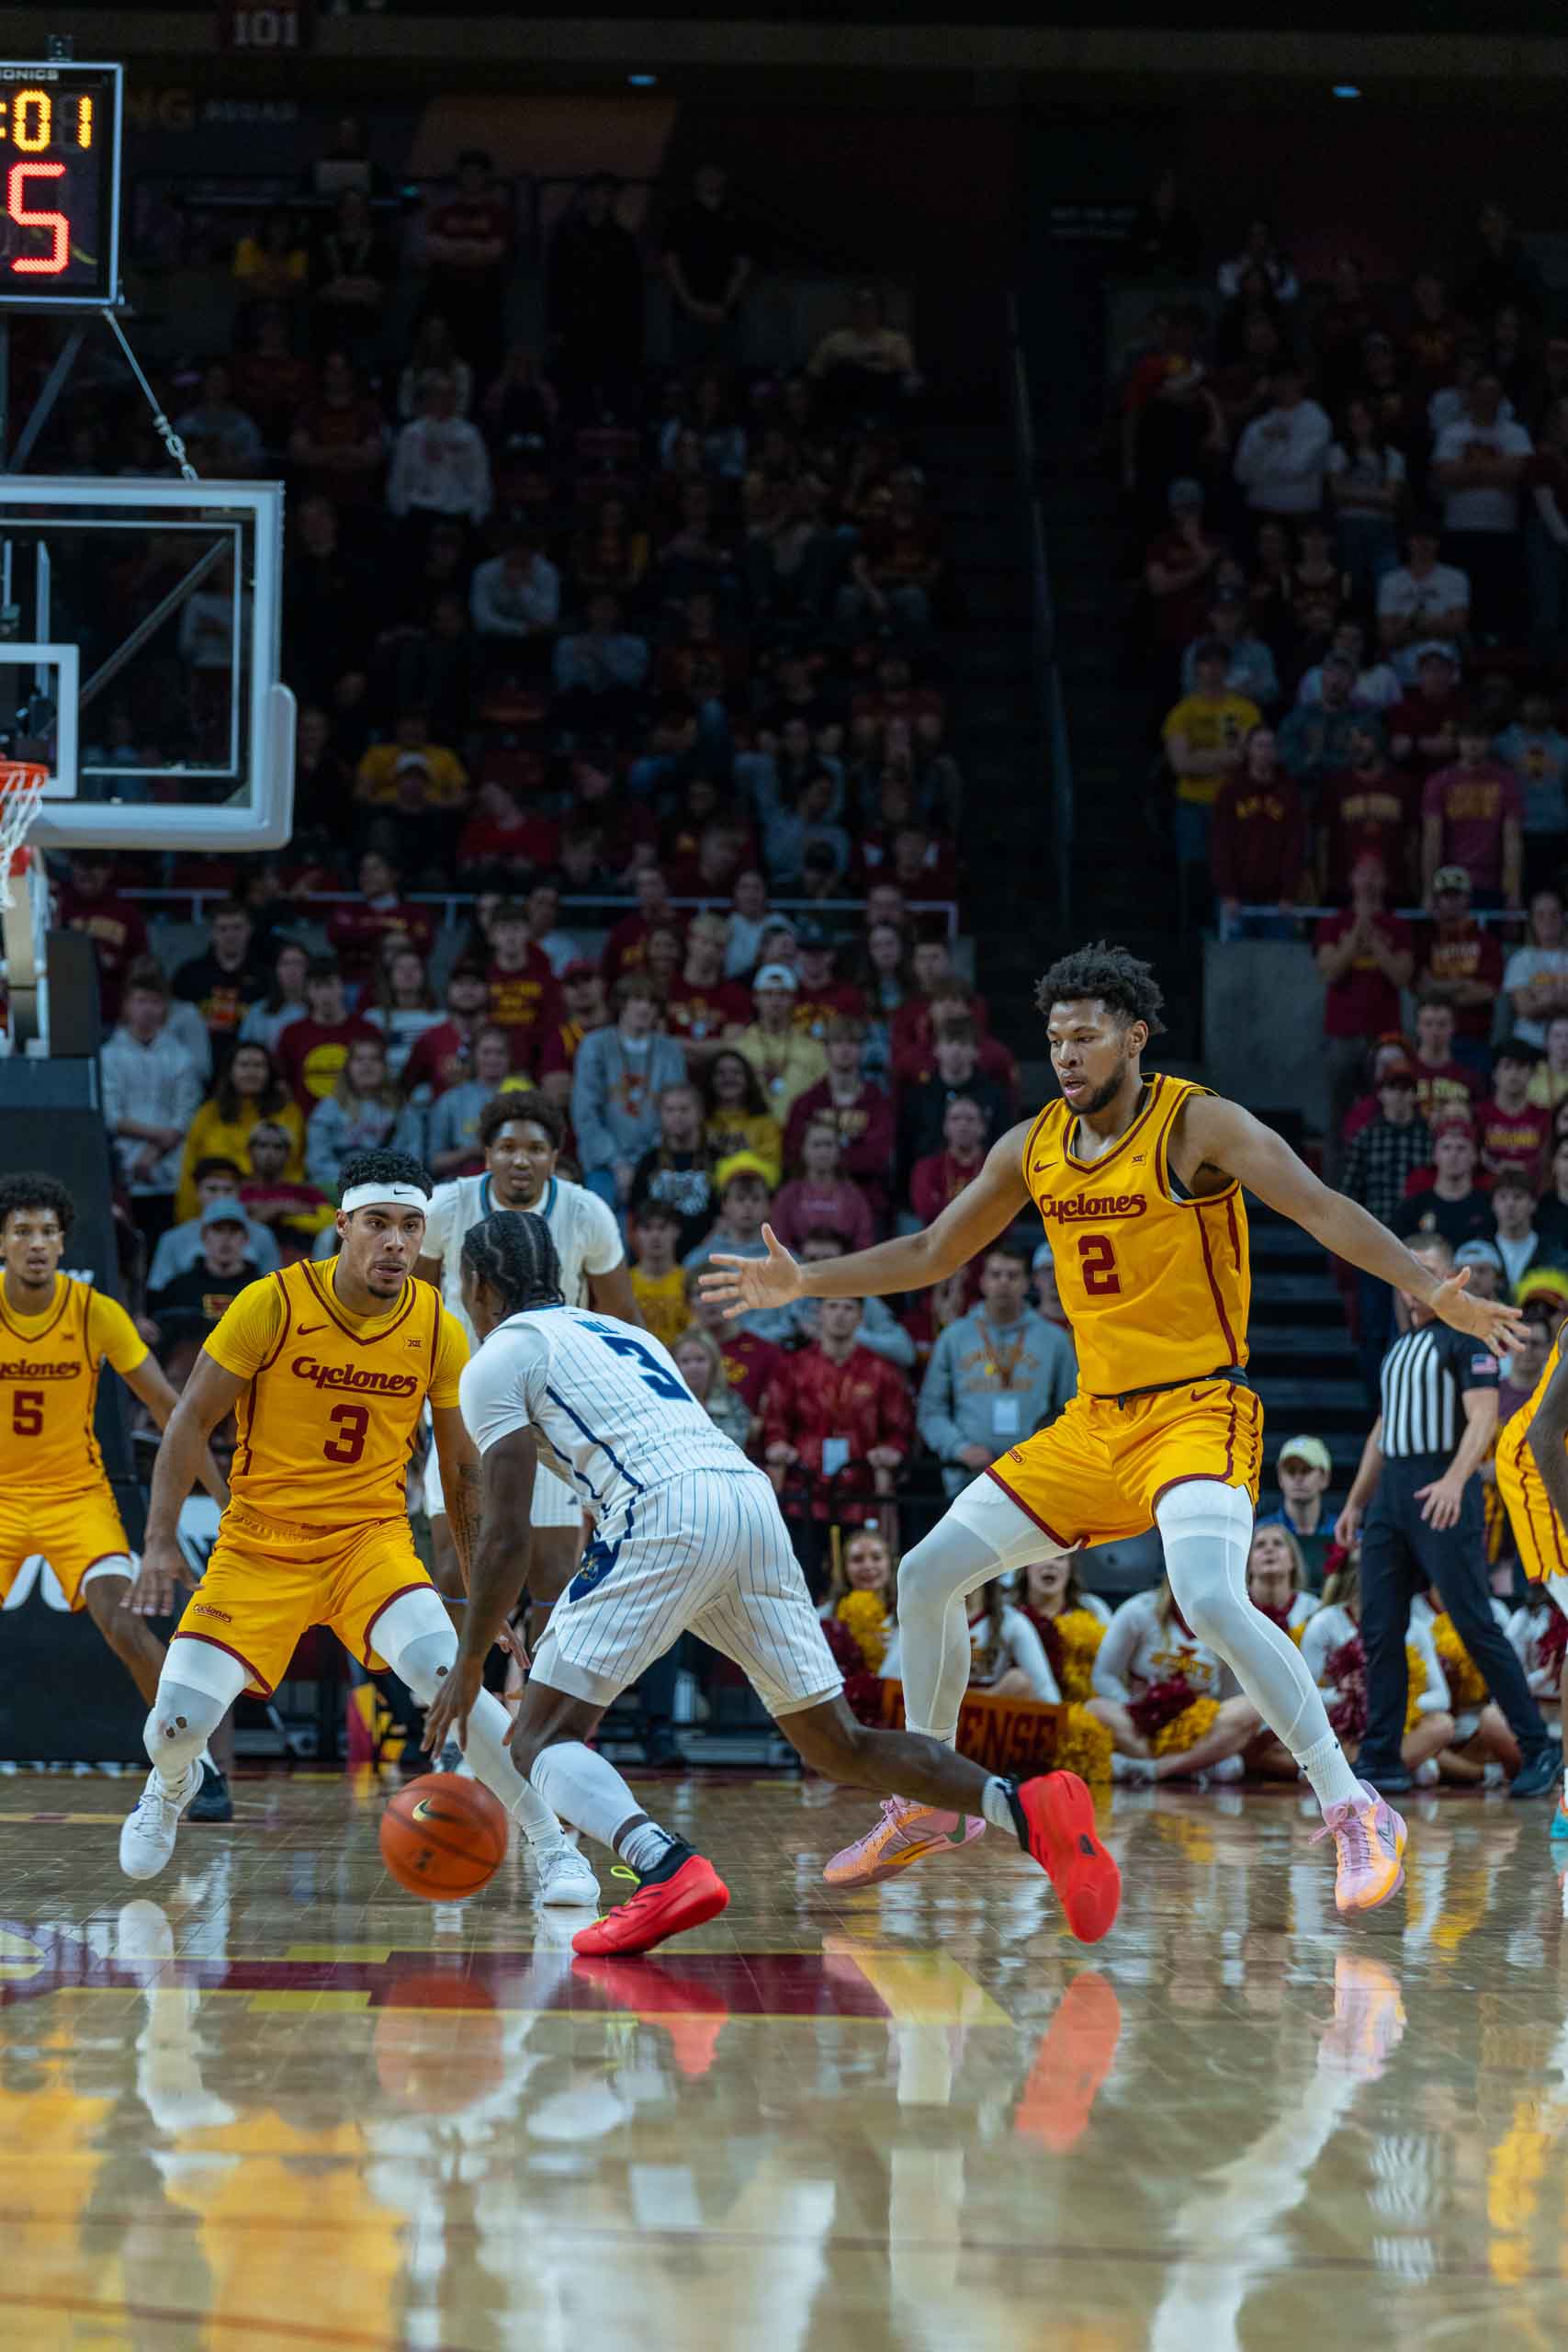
(443, 1837)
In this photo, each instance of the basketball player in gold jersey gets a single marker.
(326, 1368)
(56, 1335)
(1532, 1480)
(1138, 1180)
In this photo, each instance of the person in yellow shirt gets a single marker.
(56, 1335)
(786, 1061)
(659, 1280)
(250, 1090)
(1204, 737)
(410, 771)
(326, 1368)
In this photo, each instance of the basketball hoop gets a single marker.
(21, 794)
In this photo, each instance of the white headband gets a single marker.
(384, 1196)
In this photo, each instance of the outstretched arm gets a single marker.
(911, 1261)
(1221, 1138)
(1546, 1438)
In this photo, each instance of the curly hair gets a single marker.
(520, 1103)
(383, 1167)
(29, 1191)
(513, 1252)
(1114, 976)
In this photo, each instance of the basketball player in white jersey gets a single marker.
(521, 1136)
(688, 1535)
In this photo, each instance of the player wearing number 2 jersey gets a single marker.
(326, 1368)
(1138, 1182)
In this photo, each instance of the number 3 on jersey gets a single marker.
(1098, 1260)
(650, 1372)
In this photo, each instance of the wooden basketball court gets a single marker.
(271, 2101)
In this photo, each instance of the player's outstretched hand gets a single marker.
(1497, 1327)
(446, 1718)
(747, 1283)
(155, 1592)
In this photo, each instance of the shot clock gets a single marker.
(59, 141)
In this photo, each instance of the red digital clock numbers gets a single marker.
(59, 127)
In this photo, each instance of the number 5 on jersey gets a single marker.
(1098, 1260)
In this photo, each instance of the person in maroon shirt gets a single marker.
(523, 998)
(627, 947)
(1257, 844)
(1461, 965)
(1366, 955)
(1472, 815)
(1421, 727)
(932, 971)
(312, 1050)
(90, 903)
(444, 1057)
(821, 996)
(862, 1111)
(357, 933)
(938, 1180)
(583, 1007)
(835, 1402)
(1512, 1131)
(703, 1010)
(1369, 805)
(822, 1198)
(469, 245)
(1445, 1088)
(1176, 571)
(504, 836)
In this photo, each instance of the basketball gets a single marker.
(443, 1837)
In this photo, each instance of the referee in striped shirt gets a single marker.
(1421, 1496)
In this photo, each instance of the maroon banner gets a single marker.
(1016, 1735)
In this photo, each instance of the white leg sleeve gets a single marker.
(199, 1685)
(415, 1637)
(982, 1535)
(1207, 1532)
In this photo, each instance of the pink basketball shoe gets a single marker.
(905, 1832)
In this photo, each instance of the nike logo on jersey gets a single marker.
(304, 1331)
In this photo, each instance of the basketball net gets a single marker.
(21, 796)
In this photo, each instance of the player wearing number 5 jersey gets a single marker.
(326, 1368)
(1137, 1180)
(56, 1335)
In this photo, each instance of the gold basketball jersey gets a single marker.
(327, 1422)
(48, 1387)
(1155, 1283)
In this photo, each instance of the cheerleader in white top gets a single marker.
(1540, 1635)
(1162, 1694)
(1331, 1645)
(1275, 1576)
(1483, 1748)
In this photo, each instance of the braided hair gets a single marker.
(513, 1254)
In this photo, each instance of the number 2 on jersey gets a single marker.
(650, 1372)
(1098, 1262)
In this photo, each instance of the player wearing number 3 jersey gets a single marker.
(1138, 1182)
(326, 1368)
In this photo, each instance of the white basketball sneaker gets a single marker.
(147, 1839)
(565, 1876)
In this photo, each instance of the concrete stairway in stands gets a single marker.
(1304, 1363)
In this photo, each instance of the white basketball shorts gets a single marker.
(707, 1554)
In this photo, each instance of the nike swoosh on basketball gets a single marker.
(304, 1331)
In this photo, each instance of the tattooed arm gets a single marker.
(460, 1482)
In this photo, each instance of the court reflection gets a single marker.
(915, 2117)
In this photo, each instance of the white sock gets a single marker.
(645, 1847)
(586, 1790)
(206, 1758)
(994, 1804)
(1333, 1782)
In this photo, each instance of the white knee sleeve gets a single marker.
(934, 1581)
(182, 1721)
(1207, 1532)
(415, 1637)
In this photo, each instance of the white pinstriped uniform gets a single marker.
(689, 1534)
(588, 1241)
